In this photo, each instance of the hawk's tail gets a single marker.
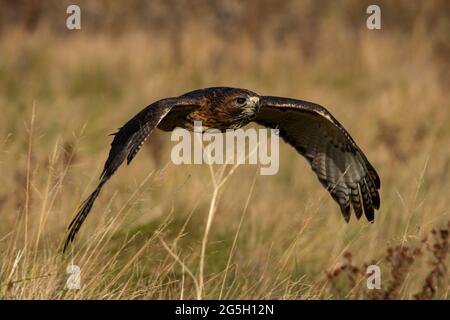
(85, 208)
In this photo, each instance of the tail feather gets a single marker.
(85, 208)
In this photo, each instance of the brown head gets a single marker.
(233, 107)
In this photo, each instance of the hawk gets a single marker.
(336, 159)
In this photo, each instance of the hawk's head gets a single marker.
(238, 106)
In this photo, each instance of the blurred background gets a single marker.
(63, 91)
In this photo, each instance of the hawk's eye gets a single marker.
(241, 100)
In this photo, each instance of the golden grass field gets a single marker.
(270, 237)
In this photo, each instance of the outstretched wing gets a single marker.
(338, 162)
(126, 144)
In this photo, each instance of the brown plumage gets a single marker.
(338, 162)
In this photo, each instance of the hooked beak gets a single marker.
(254, 103)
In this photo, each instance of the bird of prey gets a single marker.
(336, 159)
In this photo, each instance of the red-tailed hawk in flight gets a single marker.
(338, 162)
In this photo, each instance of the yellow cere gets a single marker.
(254, 99)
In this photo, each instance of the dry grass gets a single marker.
(347, 279)
(165, 231)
